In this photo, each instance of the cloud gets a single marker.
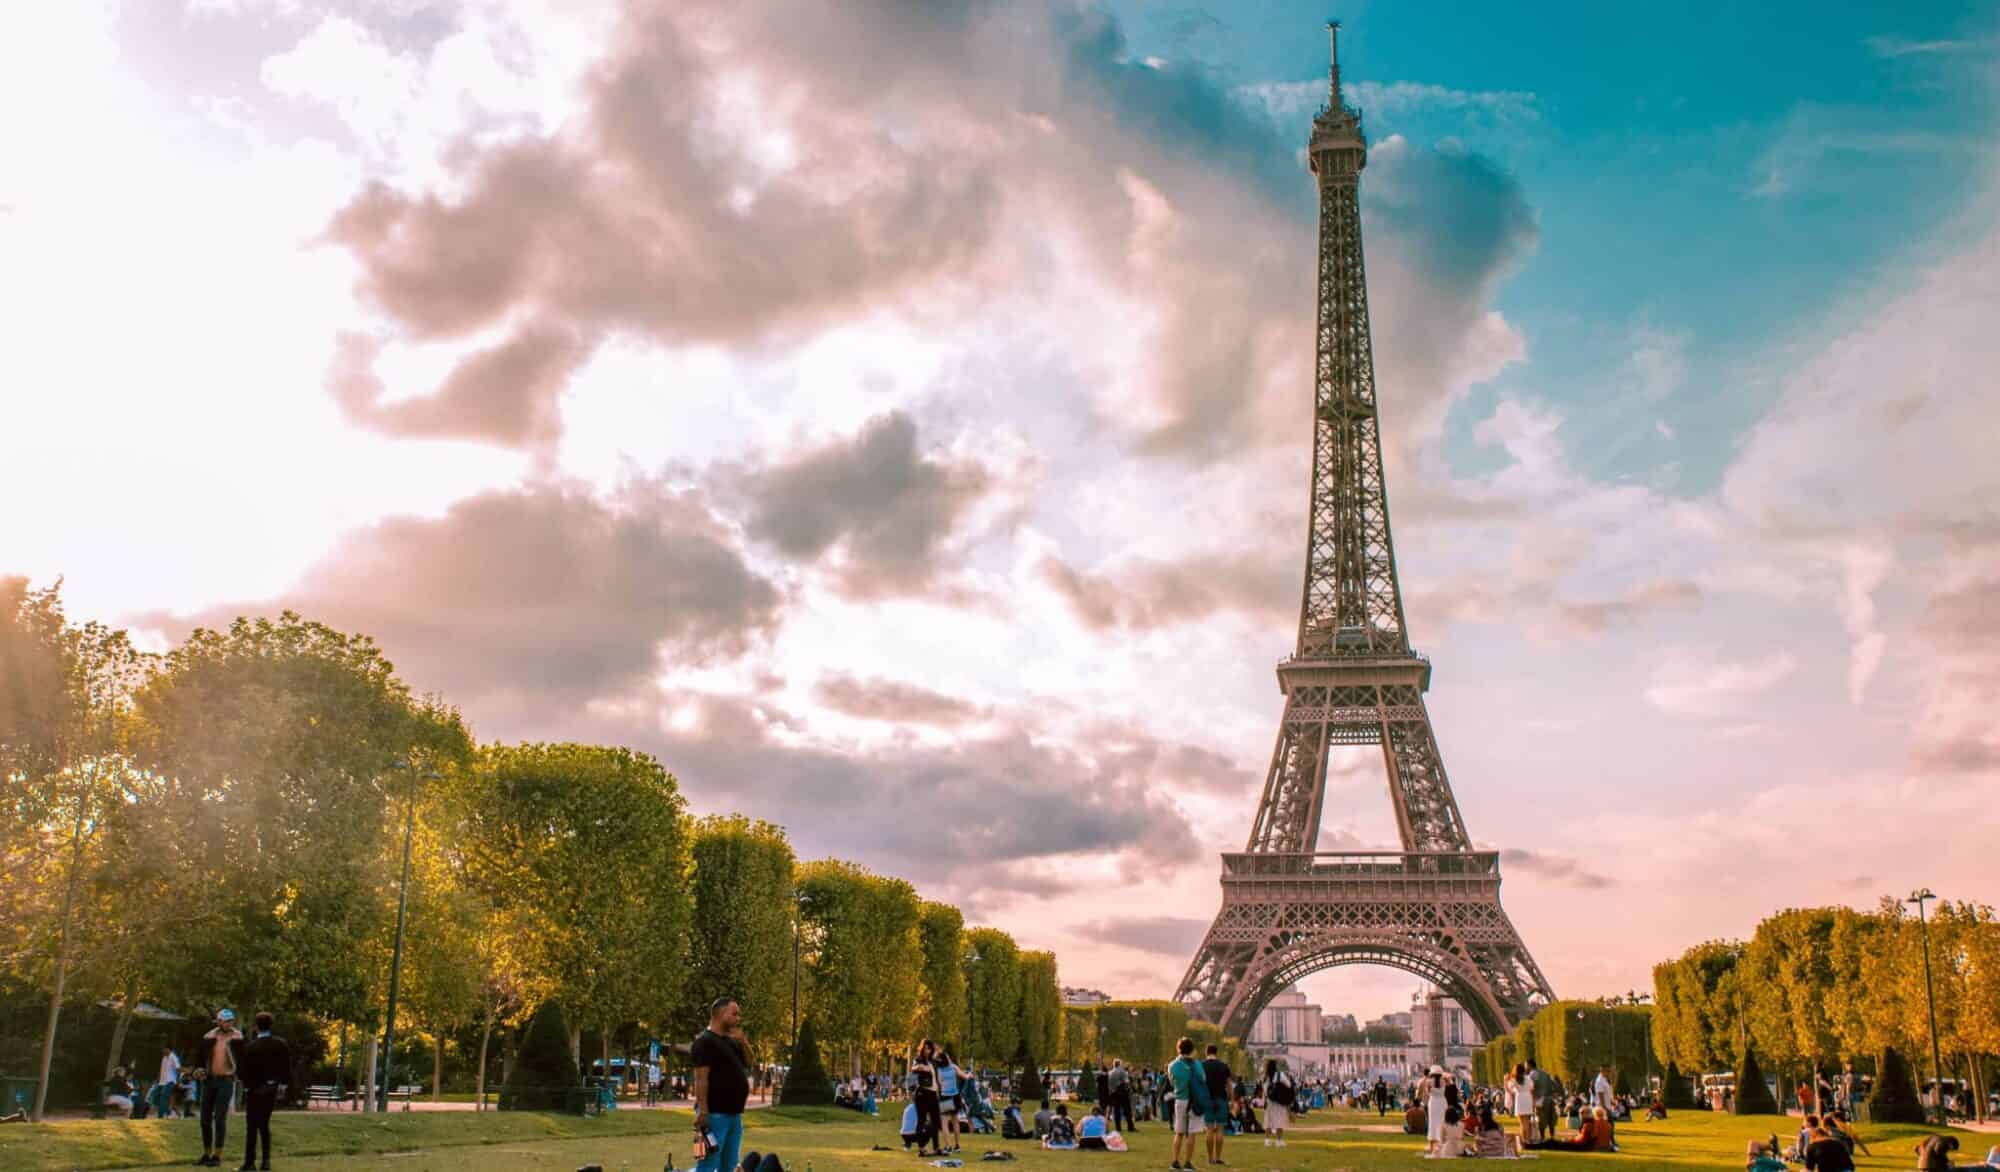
(1290, 100)
(1556, 868)
(1694, 684)
(545, 596)
(1172, 936)
(1905, 47)
(1960, 623)
(889, 700)
(505, 394)
(880, 511)
(1142, 595)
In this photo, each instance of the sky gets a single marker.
(895, 417)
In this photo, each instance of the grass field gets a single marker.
(833, 1141)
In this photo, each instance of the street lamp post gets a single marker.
(1919, 897)
(396, 957)
(798, 906)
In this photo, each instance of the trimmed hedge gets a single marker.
(1894, 1097)
(1752, 1096)
(1676, 1091)
(807, 1084)
(1027, 1078)
(544, 1070)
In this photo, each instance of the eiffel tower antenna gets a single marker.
(1432, 908)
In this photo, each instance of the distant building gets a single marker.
(1084, 996)
(1441, 1032)
(1290, 1029)
(1333, 1023)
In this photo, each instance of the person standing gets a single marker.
(1280, 1092)
(1215, 1072)
(162, 1094)
(721, 1059)
(1435, 1101)
(222, 1054)
(1190, 1091)
(924, 1093)
(949, 1100)
(1119, 1104)
(266, 1072)
(1546, 1090)
(1521, 1089)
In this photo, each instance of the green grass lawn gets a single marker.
(830, 1140)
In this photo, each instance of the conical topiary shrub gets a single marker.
(544, 1070)
(1676, 1092)
(1752, 1096)
(1086, 1083)
(1027, 1078)
(807, 1084)
(1620, 1086)
(1894, 1097)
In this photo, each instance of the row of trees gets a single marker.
(1816, 987)
(1573, 1040)
(225, 824)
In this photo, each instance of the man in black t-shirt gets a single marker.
(1215, 1072)
(721, 1056)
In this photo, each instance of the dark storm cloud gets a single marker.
(877, 502)
(1553, 867)
(893, 701)
(539, 595)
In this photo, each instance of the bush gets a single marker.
(807, 1085)
(1027, 1078)
(544, 1070)
(1752, 1096)
(1676, 1092)
(1894, 1097)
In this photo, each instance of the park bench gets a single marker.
(406, 1093)
(326, 1094)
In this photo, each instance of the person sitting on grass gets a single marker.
(1761, 1159)
(913, 1130)
(1450, 1139)
(1414, 1120)
(1934, 1153)
(1593, 1136)
(1062, 1131)
(1826, 1153)
(1843, 1130)
(1092, 1133)
(1489, 1138)
(1656, 1110)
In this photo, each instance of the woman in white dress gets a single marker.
(1521, 1090)
(1434, 1105)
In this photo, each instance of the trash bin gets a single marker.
(581, 1101)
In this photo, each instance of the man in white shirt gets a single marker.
(1600, 1091)
(162, 1094)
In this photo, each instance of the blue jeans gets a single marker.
(162, 1098)
(728, 1133)
(215, 1096)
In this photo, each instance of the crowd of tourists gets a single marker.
(206, 1084)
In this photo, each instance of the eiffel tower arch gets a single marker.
(1432, 908)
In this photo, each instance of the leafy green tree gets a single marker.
(941, 1002)
(807, 1083)
(1041, 1002)
(585, 848)
(742, 923)
(1789, 983)
(993, 994)
(545, 1069)
(863, 955)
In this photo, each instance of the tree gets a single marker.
(66, 722)
(1041, 1002)
(545, 1069)
(585, 847)
(1753, 1097)
(742, 921)
(1893, 1099)
(993, 995)
(1676, 1090)
(941, 984)
(1789, 979)
(806, 1083)
(1027, 1083)
(863, 955)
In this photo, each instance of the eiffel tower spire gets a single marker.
(1352, 679)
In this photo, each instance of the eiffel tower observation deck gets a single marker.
(1432, 908)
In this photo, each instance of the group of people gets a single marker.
(261, 1064)
(1458, 1122)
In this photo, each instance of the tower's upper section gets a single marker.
(1337, 151)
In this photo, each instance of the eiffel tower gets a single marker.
(1433, 908)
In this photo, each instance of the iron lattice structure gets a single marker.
(1433, 908)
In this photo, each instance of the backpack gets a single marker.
(1198, 1103)
(1281, 1091)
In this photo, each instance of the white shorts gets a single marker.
(1186, 1122)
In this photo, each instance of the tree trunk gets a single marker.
(124, 1024)
(576, 1044)
(437, 1066)
(368, 1056)
(62, 967)
(479, 1085)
